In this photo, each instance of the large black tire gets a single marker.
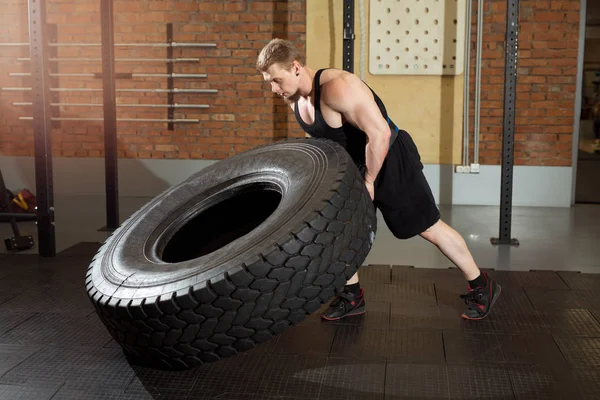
(234, 255)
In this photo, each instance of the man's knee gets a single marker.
(431, 232)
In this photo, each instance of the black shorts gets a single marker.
(402, 193)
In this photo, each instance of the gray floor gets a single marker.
(560, 239)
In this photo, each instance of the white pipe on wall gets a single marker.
(465, 156)
(478, 82)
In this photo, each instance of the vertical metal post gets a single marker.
(110, 115)
(348, 49)
(52, 36)
(42, 128)
(170, 72)
(510, 85)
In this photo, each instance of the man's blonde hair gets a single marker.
(279, 51)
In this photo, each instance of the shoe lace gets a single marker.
(472, 297)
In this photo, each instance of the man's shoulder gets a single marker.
(337, 84)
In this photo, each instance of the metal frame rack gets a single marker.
(42, 105)
(510, 86)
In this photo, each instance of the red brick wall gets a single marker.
(546, 81)
(242, 114)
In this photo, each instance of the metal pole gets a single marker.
(118, 75)
(476, 132)
(110, 115)
(134, 60)
(348, 49)
(118, 119)
(173, 44)
(26, 89)
(467, 75)
(42, 128)
(510, 85)
(118, 105)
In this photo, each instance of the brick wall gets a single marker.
(242, 114)
(546, 81)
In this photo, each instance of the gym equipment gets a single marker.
(508, 147)
(234, 255)
(42, 37)
(17, 242)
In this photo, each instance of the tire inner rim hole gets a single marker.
(222, 223)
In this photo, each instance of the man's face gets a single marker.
(283, 82)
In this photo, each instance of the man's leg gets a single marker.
(483, 291)
(453, 246)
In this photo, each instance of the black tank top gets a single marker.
(351, 138)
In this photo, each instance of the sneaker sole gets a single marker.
(359, 311)
(490, 309)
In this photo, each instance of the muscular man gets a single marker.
(337, 105)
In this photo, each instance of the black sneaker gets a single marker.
(481, 300)
(344, 305)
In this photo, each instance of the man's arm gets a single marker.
(351, 98)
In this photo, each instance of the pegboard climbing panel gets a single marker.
(416, 37)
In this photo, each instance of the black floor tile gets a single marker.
(157, 382)
(542, 382)
(447, 297)
(12, 355)
(360, 343)
(315, 339)
(506, 321)
(415, 317)
(408, 273)
(514, 300)
(580, 352)
(529, 279)
(82, 249)
(465, 348)
(230, 377)
(580, 281)
(346, 379)
(571, 322)
(375, 274)
(588, 382)
(415, 346)
(61, 330)
(26, 392)
(452, 276)
(66, 393)
(74, 302)
(382, 344)
(405, 293)
(479, 382)
(83, 368)
(551, 300)
(9, 320)
(297, 377)
(530, 348)
(416, 381)
(7, 294)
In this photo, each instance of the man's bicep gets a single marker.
(366, 116)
